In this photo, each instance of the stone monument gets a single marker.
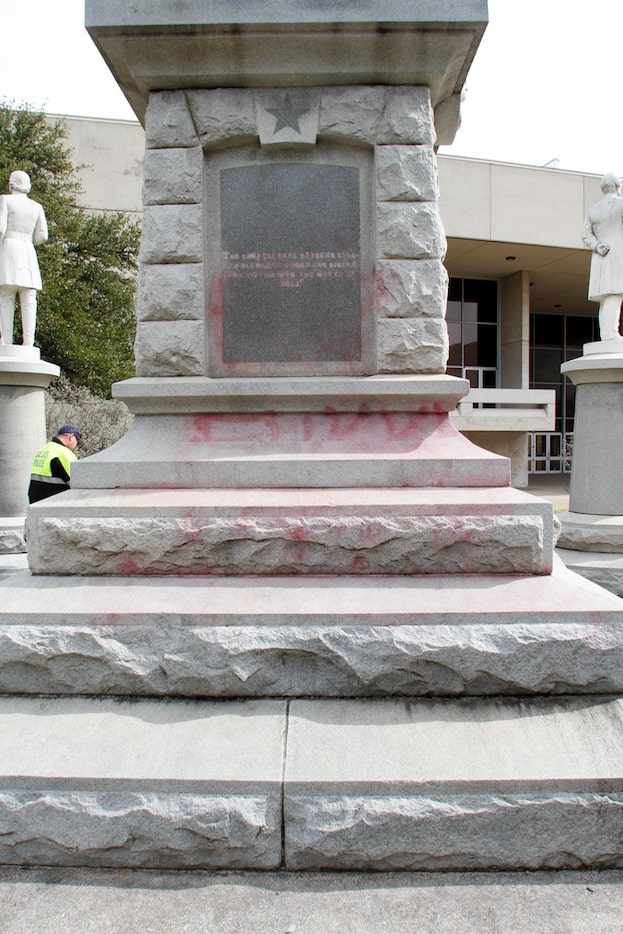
(23, 376)
(334, 590)
(592, 530)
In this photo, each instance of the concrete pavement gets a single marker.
(123, 902)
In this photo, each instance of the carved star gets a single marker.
(287, 115)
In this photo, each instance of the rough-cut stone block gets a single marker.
(168, 121)
(95, 782)
(412, 345)
(408, 117)
(291, 545)
(12, 536)
(170, 291)
(302, 637)
(169, 348)
(173, 176)
(411, 288)
(475, 784)
(402, 531)
(406, 173)
(409, 231)
(224, 115)
(351, 113)
(601, 568)
(205, 532)
(172, 234)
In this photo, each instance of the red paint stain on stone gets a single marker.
(215, 312)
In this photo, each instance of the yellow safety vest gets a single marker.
(41, 465)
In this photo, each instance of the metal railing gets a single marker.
(549, 452)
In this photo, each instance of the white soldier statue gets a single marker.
(22, 226)
(603, 234)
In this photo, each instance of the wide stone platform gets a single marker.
(306, 636)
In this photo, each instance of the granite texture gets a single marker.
(172, 233)
(592, 533)
(103, 782)
(320, 544)
(173, 176)
(170, 291)
(409, 230)
(172, 348)
(406, 173)
(168, 122)
(430, 784)
(155, 829)
(12, 536)
(407, 345)
(310, 637)
(500, 830)
(410, 289)
(474, 784)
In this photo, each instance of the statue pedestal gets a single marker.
(592, 530)
(23, 378)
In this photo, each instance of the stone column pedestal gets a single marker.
(591, 541)
(23, 378)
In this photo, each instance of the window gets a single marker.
(472, 319)
(554, 339)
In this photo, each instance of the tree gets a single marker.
(85, 321)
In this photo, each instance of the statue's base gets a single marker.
(23, 378)
(593, 547)
(603, 347)
(19, 352)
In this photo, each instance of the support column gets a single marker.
(592, 530)
(23, 379)
(515, 331)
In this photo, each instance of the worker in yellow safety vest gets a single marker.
(51, 467)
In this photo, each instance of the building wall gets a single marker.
(479, 200)
(108, 155)
(513, 203)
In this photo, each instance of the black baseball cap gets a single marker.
(69, 430)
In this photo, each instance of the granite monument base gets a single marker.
(383, 587)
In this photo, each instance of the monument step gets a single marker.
(255, 531)
(306, 785)
(310, 636)
(301, 449)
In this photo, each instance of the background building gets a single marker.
(517, 305)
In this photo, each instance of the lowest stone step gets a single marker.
(334, 784)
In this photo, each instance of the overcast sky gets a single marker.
(546, 83)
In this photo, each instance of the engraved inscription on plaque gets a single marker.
(290, 263)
